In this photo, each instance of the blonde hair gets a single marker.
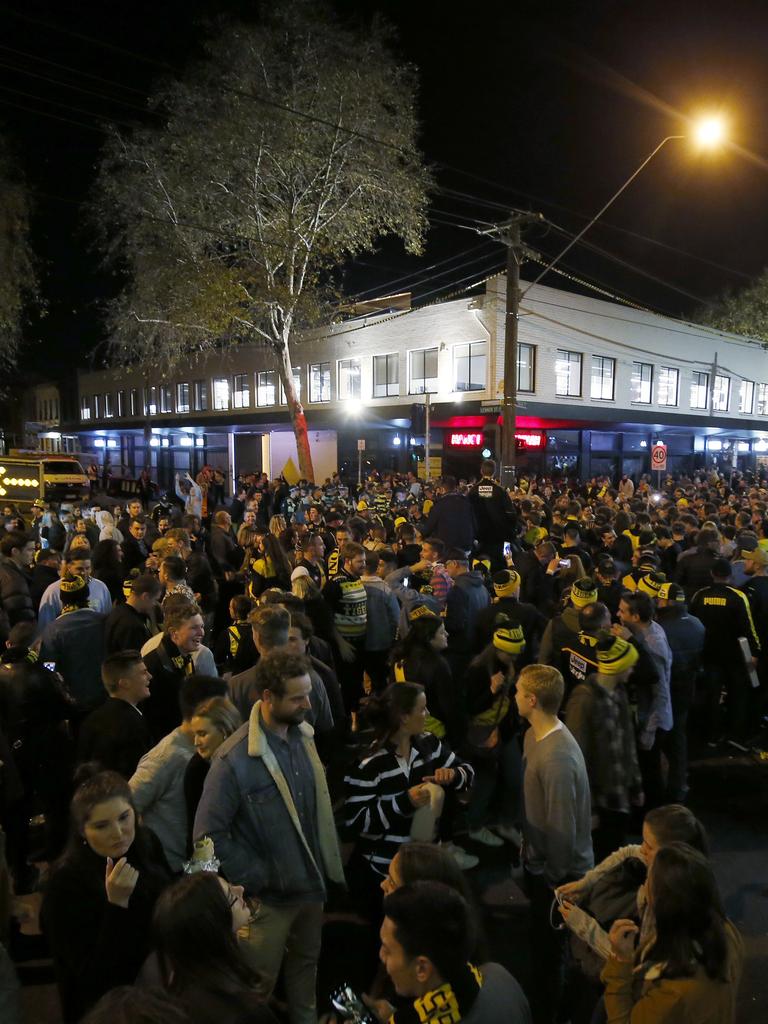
(546, 684)
(221, 713)
(304, 587)
(276, 525)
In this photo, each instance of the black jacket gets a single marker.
(726, 616)
(694, 571)
(116, 735)
(162, 710)
(494, 513)
(15, 601)
(126, 629)
(527, 616)
(96, 945)
(452, 519)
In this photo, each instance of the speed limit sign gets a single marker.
(659, 457)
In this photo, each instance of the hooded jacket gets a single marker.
(466, 599)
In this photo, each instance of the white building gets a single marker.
(598, 382)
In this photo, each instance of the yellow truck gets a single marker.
(38, 475)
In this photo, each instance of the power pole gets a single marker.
(427, 437)
(509, 234)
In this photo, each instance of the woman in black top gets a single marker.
(202, 967)
(213, 721)
(98, 903)
(107, 566)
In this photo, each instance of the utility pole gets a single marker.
(427, 439)
(510, 235)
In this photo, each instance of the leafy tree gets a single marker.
(18, 280)
(290, 148)
(743, 312)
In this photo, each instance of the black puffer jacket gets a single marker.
(15, 601)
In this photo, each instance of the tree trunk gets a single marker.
(296, 411)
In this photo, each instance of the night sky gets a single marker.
(541, 106)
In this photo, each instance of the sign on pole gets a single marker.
(361, 445)
(659, 457)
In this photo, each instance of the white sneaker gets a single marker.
(485, 836)
(510, 833)
(464, 860)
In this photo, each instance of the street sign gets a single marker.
(659, 457)
(361, 445)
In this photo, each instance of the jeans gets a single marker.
(674, 745)
(287, 936)
(549, 952)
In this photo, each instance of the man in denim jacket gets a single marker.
(266, 807)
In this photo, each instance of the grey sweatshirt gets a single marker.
(557, 808)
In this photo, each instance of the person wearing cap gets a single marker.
(685, 635)
(75, 643)
(727, 616)
(506, 601)
(564, 628)
(599, 717)
(491, 741)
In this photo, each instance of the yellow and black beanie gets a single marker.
(509, 639)
(583, 592)
(615, 655)
(421, 612)
(671, 592)
(506, 583)
(651, 583)
(74, 592)
(128, 582)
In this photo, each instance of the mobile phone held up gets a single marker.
(564, 563)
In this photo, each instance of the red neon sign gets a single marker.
(465, 440)
(530, 440)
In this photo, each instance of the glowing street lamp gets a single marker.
(709, 132)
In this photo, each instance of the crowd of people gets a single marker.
(226, 723)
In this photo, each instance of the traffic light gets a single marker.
(418, 419)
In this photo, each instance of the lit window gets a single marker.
(266, 384)
(201, 396)
(349, 379)
(96, 407)
(320, 382)
(721, 393)
(165, 398)
(85, 407)
(422, 371)
(150, 405)
(121, 403)
(109, 410)
(668, 386)
(746, 396)
(182, 398)
(526, 368)
(241, 391)
(568, 374)
(296, 374)
(386, 376)
(699, 390)
(762, 400)
(134, 402)
(641, 387)
(220, 393)
(603, 373)
(469, 366)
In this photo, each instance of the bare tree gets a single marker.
(289, 149)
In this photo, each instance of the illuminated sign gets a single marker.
(528, 439)
(13, 481)
(465, 440)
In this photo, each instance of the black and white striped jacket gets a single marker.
(377, 810)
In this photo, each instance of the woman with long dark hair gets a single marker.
(396, 791)
(107, 566)
(98, 903)
(691, 969)
(201, 965)
(418, 658)
(270, 566)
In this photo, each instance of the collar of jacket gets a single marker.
(258, 745)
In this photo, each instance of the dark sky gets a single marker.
(552, 103)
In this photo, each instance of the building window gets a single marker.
(97, 407)
(568, 374)
(699, 390)
(470, 366)
(721, 393)
(669, 383)
(422, 371)
(220, 393)
(109, 408)
(386, 376)
(242, 391)
(165, 398)
(603, 374)
(526, 368)
(349, 385)
(182, 398)
(201, 396)
(85, 406)
(746, 396)
(762, 400)
(134, 402)
(266, 384)
(150, 403)
(121, 403)
(296, 374)
(641, 387)
(320, 382)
